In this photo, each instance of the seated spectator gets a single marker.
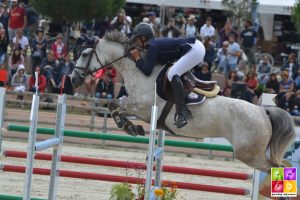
(286, 101)
(38, 49)
(21, 41)
(50, 68)
(3, 47)
(296, 110)
(19, 80)
(252, 84)
(105, 87)
(66, 68)
(272, 85)
(122, 92)
(171, 30)
(291, 66)
(264, 70)
(297, 81)
(58, 47)
(286, 83)
(14, 61)
(202, 72)
(222, 57)
(232, 77)
(90, 84)
(42, 83)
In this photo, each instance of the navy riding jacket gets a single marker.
(163, 50)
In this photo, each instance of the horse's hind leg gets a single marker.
(253, 151)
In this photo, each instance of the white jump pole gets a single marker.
(31, 146)
(2, 112)
(149, 175)
(31, 142)
(55, 142)
(57, 148)
(154, 154)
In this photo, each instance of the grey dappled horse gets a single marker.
(259, 136)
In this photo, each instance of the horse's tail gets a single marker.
(283, 134)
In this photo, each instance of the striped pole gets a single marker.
(124, 138)
(133, 165)
(131, 180)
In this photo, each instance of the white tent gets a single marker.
(281, 7)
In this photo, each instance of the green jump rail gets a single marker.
(13, 197)
(123, 138)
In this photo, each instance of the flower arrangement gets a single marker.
(124, 191)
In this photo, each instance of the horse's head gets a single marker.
(87, 62)
(97, 54)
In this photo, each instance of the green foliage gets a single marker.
(238, 8)
(296, 15)
(121, 191)
(66, 11)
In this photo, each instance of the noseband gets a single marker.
(86, 70)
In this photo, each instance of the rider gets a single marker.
(187, 51)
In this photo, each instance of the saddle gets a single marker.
(190, 82)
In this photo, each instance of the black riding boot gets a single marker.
(182, 112)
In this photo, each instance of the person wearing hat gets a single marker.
(190, 29)
(19, 80)
(188, 52)
(17, 19)
(153, 21)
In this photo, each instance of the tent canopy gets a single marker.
(283, 7)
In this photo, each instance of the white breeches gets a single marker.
(192, 58)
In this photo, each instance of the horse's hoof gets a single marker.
(140, 130)
(131, 130)
(180, 124)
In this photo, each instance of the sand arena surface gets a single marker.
(71, 188)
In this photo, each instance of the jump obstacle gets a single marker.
(182, 185)
(122, 138)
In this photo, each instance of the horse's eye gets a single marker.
(84, 54)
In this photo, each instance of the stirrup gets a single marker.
(181, 120)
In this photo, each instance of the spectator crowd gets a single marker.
(228, 52)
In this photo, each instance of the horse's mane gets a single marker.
(116, 36)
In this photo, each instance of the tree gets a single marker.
(65, 12)
(238, 8)
(296, 16)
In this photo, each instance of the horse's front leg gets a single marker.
(116, 108)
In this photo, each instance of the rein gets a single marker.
(86, 68)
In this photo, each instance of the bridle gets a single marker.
(86, 70)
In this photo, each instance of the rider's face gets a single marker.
(141, 42)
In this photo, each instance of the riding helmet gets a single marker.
(143, 29)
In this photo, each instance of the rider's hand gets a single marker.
(135, 54)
